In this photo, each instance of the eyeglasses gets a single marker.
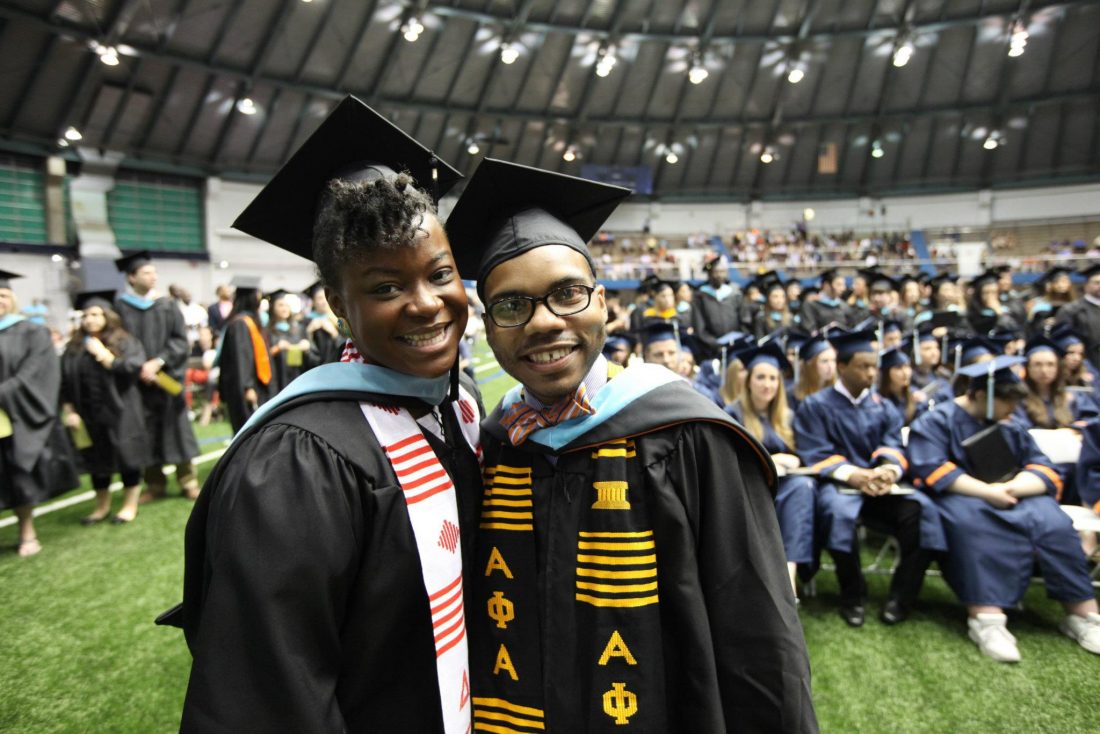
(518, 310)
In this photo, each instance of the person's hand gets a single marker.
(303, 345)
(1000, 496)
(251, 397)
(149, 370)
(283, 345)
(787, 461)
(919, 396)
(862, 480)
(882, 481)
(72, 420)
(95, 347)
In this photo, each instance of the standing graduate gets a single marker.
(158, 324)
(326, 345)
(998, 527)
(100, 389)
(853, 437)
(629, 570)
(36, 461)
(762, 410)
(828, 307)
(287, 343)
(716, 309)
(323, 580)
(1083, 315)
(245, 377)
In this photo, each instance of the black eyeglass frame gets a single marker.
(544, 300)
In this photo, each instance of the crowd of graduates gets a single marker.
(882, 398)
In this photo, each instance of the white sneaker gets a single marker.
(991, 633)
(1085, 630)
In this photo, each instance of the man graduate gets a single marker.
(157, 323)
(853, 437)
(716, 309)
(628, 569)
(828, 307)
(1083, 315)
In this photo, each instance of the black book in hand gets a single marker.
(990, 458)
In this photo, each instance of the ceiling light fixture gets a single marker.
(473, 148)
(412, 29)
(246, 106)
(109, 55)
(876, 149)
(508, 53)
(903, 54)
(607, 62)
(73, 134)
(569, 155)
(768, 155)
(672, 158)
(796, 75)
(992, 141)
(1018, 42)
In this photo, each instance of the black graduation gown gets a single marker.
(324, 348)
(717, 648)
(163, 333)
(109, 403)
(816, 314)
(37, 460)
(712, 318)
(237, 363)
(306, 505)
(1084, 318)
(282, 373)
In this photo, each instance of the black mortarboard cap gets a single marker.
(711, 263)
(275, 295)
(354, 143)
(1064, 336)
(1001, 367)
(894, 357)
(1091, 271)
(771, 353)
(620, 339)
(87, 299)
(812, 347)
(657, 331)
(937, 280)
(129, 263)
(245, 282)
(1050, 275)
(6, 277)
(508, 209)
(881, 281)
(852, 342)
(827, 276)
(1040, 343)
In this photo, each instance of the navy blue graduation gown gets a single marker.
(1088, 466)
(992, 551)
(794, 502)
(833, 433)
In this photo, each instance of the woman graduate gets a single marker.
(286, 341)
(1048, 404)
(894, 377)
(322, 588)
(245, 379)
(100, 379)
(817, 361)
(36, 461)
(762, 410)
(999, 526)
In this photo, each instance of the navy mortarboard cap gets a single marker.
(894, 357)
(6, 277)
(853, 342)
(812, 347)
(1042, 343)
(354, 143)
(507, 210)
(924, 333)
(658, 331)
(924, 278)
(795, 340)
(1003, 337)
(244, 283)
(975, 347)
(890, 326)
(88, 299)
(130, 263)
(619, 340)
(1091, 271)
(868, 323)
(732, 339)
(997, 370)
(770, 353)
(808, 291)
(1064, 336)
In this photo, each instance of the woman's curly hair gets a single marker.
(356, 217)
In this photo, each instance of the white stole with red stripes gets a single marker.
(433, 511)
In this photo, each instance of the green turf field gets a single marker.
(79, 651)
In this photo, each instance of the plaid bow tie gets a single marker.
(521, 420)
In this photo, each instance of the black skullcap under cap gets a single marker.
(129, 264)
(507, 210)
(354, 143)
(6, 277)
(87, 299)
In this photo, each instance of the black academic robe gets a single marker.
(712, 318)
(819, 313)
(37, 460)
(163, 334)
(237, 363)
(646, 585)
(324, 348)
(109, 402)
(304, 605)
(282, 372)
(1084, 318)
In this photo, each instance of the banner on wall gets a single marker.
(638, 179)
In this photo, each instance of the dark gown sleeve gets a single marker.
(1036, 462)
(1088, 467)
(29, 392)
(127, 364)
(760, 653)
(929, 449)
(281, 542)
(176, 348)
(815, 448)
(238, 357)
(892, 450)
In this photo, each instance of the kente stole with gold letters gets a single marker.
(608, 595)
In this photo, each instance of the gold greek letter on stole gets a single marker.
(504, 662)
(610, 496)
(501, 610)
(620, 704)
(496, 563)
(616, 648)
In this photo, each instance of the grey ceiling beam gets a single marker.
(451, 89)
(20, 102)
(842, 151)
(83, 91)
(1004, 84)
(962, 89)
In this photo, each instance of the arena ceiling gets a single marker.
(994, 92)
